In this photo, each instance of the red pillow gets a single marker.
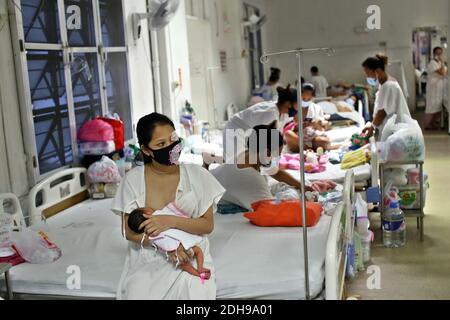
(286, 214)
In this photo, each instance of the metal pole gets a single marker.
(302, 175)
(264, 59)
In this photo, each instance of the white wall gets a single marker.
(140, 66)
(302, 23)
(174, 59)
(13, 173)
(231, 86)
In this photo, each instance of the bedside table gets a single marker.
(4, 269)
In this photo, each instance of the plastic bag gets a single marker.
(35, 248)
(96, 130)
(406, 143)
(104, 171)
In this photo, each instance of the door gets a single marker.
(200, 48)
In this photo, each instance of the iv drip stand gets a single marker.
(265, 59)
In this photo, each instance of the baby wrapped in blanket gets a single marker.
(170, 240)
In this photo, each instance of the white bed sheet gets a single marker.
(334, 173)
(251, 262)
(266, 263)
(341, 134)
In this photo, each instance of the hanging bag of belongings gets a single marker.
(104, 178)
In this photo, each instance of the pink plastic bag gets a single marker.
(96, 131)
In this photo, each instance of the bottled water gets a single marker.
(394, 227)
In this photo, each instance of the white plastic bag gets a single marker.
(104, 171)
(402, 142)
(34, 248)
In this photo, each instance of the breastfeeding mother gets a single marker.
(147, 275)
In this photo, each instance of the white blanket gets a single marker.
(250, 262)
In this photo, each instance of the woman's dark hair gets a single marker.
(275, 75)
(314, 70)
(436, 49)
(145, 128)
(308, 87)
(266, 132)
(286, 95)
(379, 62)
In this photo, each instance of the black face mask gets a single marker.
(168, 156)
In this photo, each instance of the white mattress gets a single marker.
(336, 174)
(266, 263)
(250, 262)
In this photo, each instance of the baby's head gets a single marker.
(135, 219)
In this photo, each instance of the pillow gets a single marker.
(328, 107)
(286, 214)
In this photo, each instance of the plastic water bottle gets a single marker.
(394, 227)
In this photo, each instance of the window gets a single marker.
(255, 49)
(74, 68)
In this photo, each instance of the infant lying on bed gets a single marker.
(170, 240)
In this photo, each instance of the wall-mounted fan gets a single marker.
(160, 14)
(254, 23)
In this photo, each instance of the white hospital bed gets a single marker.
(251, 262)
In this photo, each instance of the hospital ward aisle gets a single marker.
(419, 270)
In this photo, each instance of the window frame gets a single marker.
(20, 47)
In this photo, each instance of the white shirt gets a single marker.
(321, 85)
(391, 99)
(147, 275)
(437, 88)
(244, 186)
(315, 112)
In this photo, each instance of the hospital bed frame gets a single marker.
(47, 195)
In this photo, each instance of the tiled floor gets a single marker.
(420, 270)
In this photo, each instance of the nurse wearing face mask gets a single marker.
(437, 84)
(264, 113)
(390, 99)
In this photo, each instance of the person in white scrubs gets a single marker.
(241, 125)
(389, 100)
(148, 275)
(437, 88)
(320, 83)
(268, 91)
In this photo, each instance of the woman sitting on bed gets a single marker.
(248, 183)
(147, 275)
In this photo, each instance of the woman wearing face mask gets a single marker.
(147, 274)
(390, 99)
(264, 113)
(246, 182)
(436, 88)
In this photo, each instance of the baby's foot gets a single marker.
(205, 274)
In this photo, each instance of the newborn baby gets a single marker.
(170, 240)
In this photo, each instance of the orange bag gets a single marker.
(287, 214)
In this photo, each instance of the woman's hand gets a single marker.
(368, 131)
(183, 256)
(155, 225)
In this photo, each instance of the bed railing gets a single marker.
(56, 193)
(340, 235)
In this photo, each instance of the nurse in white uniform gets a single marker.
(241, 125)
(437, 88)
(390, 99)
